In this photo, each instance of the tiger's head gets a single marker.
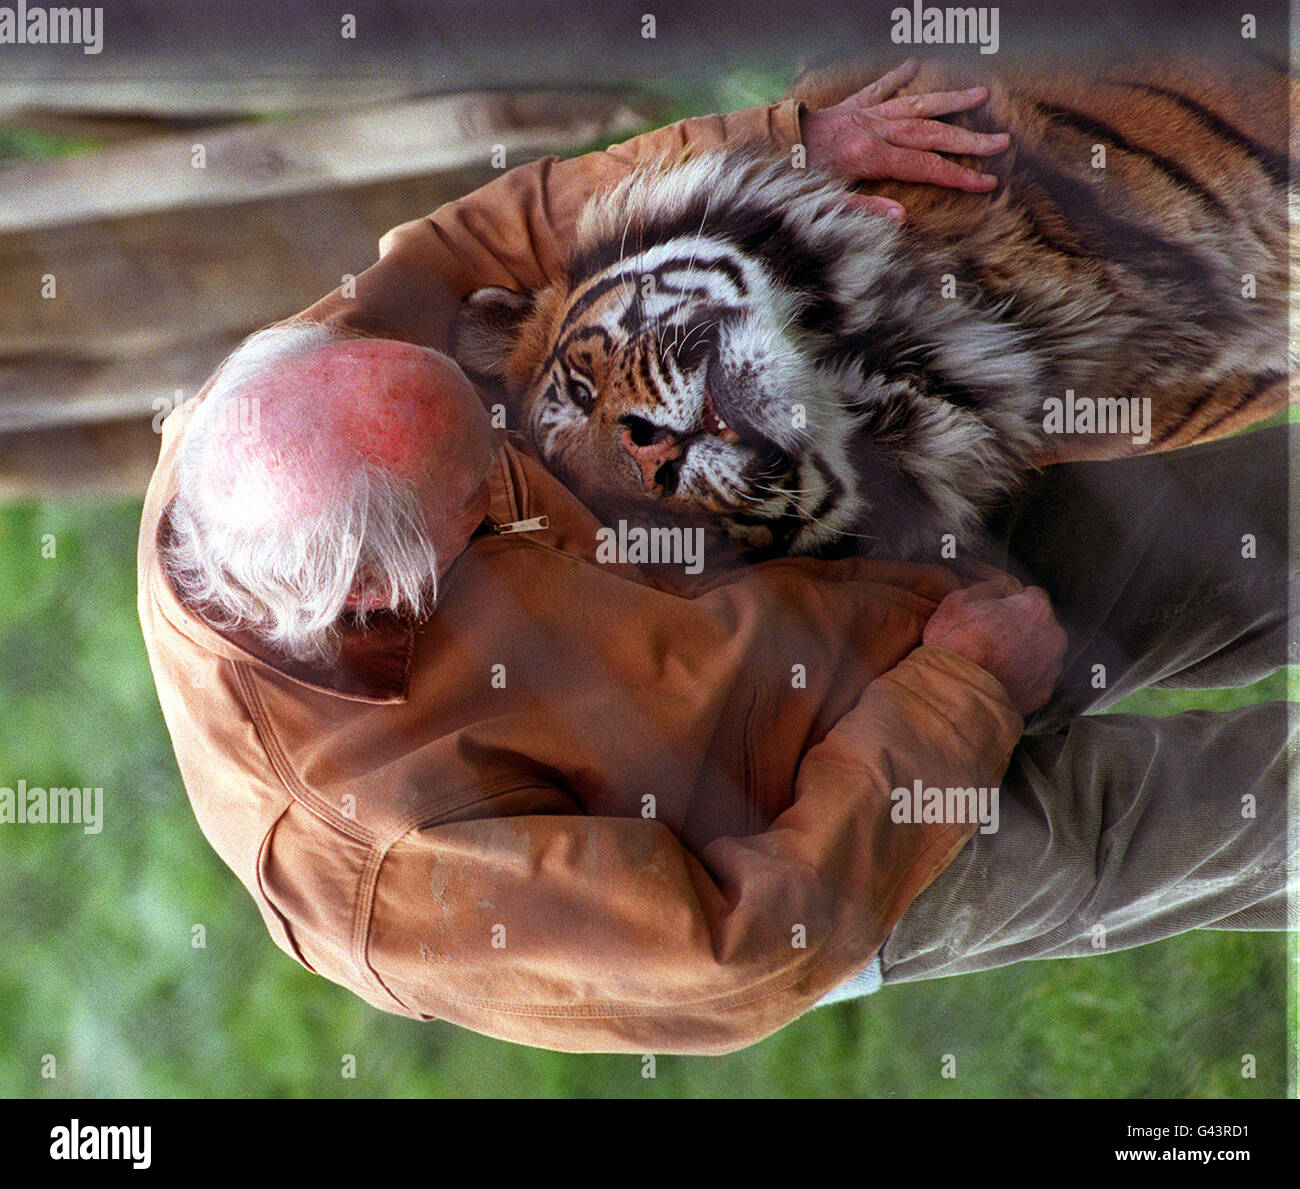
(711, 353)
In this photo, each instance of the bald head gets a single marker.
(321, 411)
(324, 473)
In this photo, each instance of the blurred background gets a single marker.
(219, 166)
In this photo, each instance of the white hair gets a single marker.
(249, 561)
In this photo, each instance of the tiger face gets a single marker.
(702, 375)
(733, 342)
(684, 383)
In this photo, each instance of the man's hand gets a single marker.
(1008, 630)
(871, 136)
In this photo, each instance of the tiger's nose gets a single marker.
(657, 452)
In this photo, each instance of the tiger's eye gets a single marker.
(581, 392)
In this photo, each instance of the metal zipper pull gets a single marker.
(523, 526)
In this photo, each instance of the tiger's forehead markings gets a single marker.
(589, 341)
(626, 309)
(696, 256)
(654, 245)
(680, 304)
(578, 336)
(581, 304)
(694, 263)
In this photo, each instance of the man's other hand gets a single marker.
(870, 136)
(1008, 630)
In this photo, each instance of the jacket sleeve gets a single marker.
(605, 934)
(515, 230)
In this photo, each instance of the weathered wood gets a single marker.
(43, 393)
(132, 286)
(273, 158)
(196, 99)
(102, 459)
(177, 57)
(95, 128)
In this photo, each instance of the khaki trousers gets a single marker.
(1117, 830)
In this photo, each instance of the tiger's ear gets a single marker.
(487, 327)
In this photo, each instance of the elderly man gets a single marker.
(473, 774)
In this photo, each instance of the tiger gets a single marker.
(734, 342)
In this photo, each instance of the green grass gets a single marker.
(98, 969)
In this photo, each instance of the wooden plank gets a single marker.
(132, 286)
(45, 393)
(94, 128)
(109, 458)
(151, 95)
(176, 56)
(275, 158)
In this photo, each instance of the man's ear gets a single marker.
(486, 329)
(371, 591)
(366, 599)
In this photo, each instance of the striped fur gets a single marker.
(734, 341)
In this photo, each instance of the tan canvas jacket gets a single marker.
(574, 808)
